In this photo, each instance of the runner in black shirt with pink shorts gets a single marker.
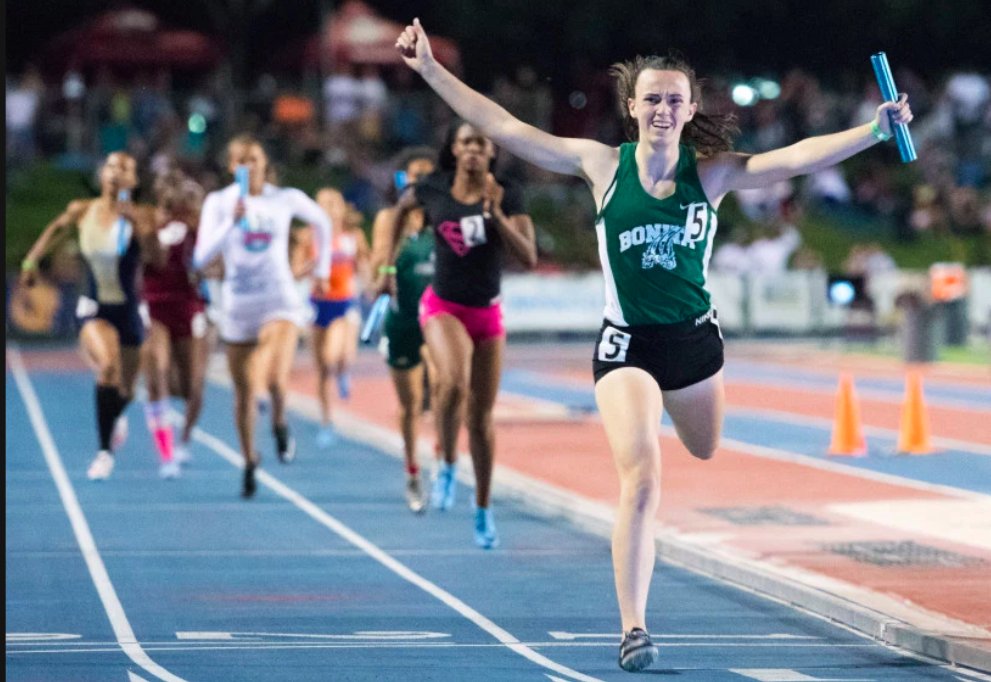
(475, 219)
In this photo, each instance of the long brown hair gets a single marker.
(178, 195)
(708, 133)
(251, 140)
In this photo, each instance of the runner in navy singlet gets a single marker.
(114, 236)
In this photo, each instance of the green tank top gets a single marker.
(414, 271)
(655, 252)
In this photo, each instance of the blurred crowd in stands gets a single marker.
(353, 123)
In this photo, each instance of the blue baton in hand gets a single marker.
(123, 195)
(375, 317)
(887, 84)
(241, 177)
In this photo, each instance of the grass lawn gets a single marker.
(35, 197)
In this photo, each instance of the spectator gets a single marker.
(24, 98)
(769, 253)
(965, 211)
(408, 109)
(372, 97)
(927, 214)
(342, 94)
(969, 97)
(733, 256)
(806, 258)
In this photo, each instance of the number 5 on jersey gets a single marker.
(613, 345)
(698, 217)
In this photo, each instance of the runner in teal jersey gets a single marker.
(406, 353)
(657, 197)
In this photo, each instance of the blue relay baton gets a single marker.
(123, 195)
(375, 317)
(241, 177)
(887, 84)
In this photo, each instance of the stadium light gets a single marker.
(767, 89)
(197, 124)
(744, 95)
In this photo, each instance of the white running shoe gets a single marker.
(101, 467)
(181, 454)
(169, 470)
(119, 436)
(415, 498)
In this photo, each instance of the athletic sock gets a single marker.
(157, 416)
(109, 405)
(281, 433)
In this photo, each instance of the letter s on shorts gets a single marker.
(613, 345)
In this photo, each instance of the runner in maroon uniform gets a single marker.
(178, 321)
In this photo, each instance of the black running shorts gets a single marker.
(676, 355)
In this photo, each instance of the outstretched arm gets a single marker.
(731, 171)
(53, 233)
(588, 159)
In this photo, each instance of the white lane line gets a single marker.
(778, 636)
(236, 553)
(87, 545)
(299, 646)
(787, 675)
(325, 519)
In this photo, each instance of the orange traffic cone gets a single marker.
(848, 436)
(913, 435)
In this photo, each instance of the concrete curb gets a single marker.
(882, 618)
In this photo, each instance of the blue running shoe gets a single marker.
(442, 491)
(450, 488)
(326, 437)
(344, 385)
(486, 535)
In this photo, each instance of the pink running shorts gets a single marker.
(480, 323)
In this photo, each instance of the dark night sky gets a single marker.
(828, 37)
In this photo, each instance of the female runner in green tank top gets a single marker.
(657, 198)
(404, 344)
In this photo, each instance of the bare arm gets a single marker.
(516, 230)
(519, 236)
(308, 210)
(143, 219)
(731, 171)
(363, 259)
(54, 232)
(392, 229)
(215, 225)
(382, 240)
(591, 160)
(407, 202)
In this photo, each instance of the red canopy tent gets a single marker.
(131, 37)
(355, 34)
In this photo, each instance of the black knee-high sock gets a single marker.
(109, 405)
